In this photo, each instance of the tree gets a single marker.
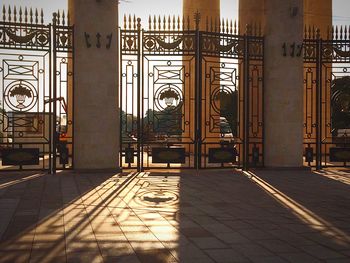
(228, 109)
(340, 104)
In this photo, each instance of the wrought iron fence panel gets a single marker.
(327, 98)
(190, 98)
(36, 62)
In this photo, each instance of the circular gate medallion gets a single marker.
(20, 96)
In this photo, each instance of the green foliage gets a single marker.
(340, 102)
(228, 110)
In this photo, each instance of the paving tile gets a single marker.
(89, 220)
(322, 252)
(132, 258)
(299, 257)
(84, 257)
(232, 238)
(226, 255)
(270, 259)
(277, 246)
(193, 232)
(208, 242)
(252, 249)
(155, 256)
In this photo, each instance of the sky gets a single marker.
(142, 8)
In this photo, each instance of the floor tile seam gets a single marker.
(99, 246)
(15, 210)
(36, 225)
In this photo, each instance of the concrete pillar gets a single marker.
(251, 12)
(207, 8)
(283, 84)
(318, 13)
(96, 114)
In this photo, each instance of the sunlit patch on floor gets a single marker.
(305, 215)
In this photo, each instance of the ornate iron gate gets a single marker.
(36, 62)
(327, 98)
(190, 98)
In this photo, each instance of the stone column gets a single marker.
(283, 84)
(318, 13)
(96, 114)
(251, 12)
(207, 8)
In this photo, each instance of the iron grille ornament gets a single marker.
(36, 68)
(178, 85)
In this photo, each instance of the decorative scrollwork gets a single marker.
(25, 36)
(168, 43)
(64, 38)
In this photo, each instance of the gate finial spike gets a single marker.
(309, 33)
(130, 22)
(235, 28)
(58, 17)
(336, 32)
(178, 23)
(31, 15)
(188, 23)
(164, 22)
(9, 14)
(174, 23)
(138, 23)
(207, 24)
(345, 32)
(149, 23)
(223, 25)
(211, 24)
(68, 19)
(20, 14)
(169, 22)
(197, 19)
(124, 21)
(54, 18)
(25, 15)
(318, 33)
(63, 18)
(247, 29)
(154, 22)
(36, 16)
(3, 13)
(135, 22)
(231, 26)
(159, 23)
(14, 14)
(341, 32)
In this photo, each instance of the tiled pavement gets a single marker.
(216, 216)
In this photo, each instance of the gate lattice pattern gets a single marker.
(36, 72)
(327, 98)
(190, 98)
